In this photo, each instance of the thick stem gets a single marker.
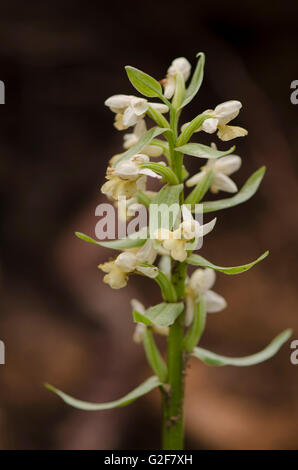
(173, 394)
(172, 429)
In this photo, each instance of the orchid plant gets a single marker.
(186, 300)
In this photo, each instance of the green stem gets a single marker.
(173, 392)
(173, 399)
(172, 429)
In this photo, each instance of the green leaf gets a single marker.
(164, 314)
(125, 243)
(197, 327)
(203, 151)
(154, 357)
(168, 195)
(197, 260)
(196, 80)
(140, 318)
(164, 208)
(142, 82)
(144, 140)
(245, 193)
(143, 198)
(185, 173)
(193, 126)
(157, 117)
(200, 189)
(213, 359)
(141, 390)
(165, 171)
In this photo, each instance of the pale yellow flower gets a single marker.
(177, 242)
(221, 169)
(127, 177)
(198, 285)
(221, 116)
(180, 65)
(130, 109)
(128, 262)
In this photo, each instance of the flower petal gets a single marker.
(147, 253)
(148, 271)
(214, 302)
(126, 262)
(230, 132)
(195, 179)
(139, 106)
(138, 334)
(138, 306)
(222, 182)
(169, 87)
(186, 214)
(227, 111)
(162, 108)
(228, 165)
(202, 280)
(118, 102)
(180, 65)
(129, 117)
(210, 125)
(148, 172)
(189, 311)
(153, 151)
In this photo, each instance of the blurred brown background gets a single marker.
(59, 61)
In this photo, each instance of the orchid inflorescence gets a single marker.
(186, 299)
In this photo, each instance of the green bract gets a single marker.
(153, 356)
(168, 195)
(142, 389)
(200, 189)
(164, 314)
(245, 193)
(121, 244)
(203, 151)
(196, 80)
(197, 260)
(142, 82)
(143, 141)
(197, 327)
(166, 172)
(212, 359)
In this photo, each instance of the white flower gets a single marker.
(221, 169)
(221, 116)
(180, 65)
(177, 242)
(129, 109)
(127, 177)
(118, 270)
(133, 138)
(117, 187)
(140, 327)
(198, 285)
(131, 168)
